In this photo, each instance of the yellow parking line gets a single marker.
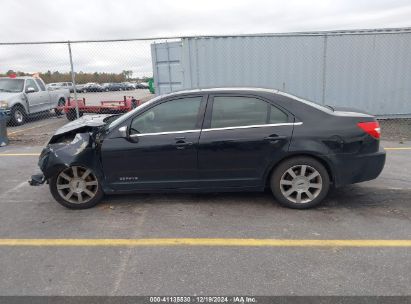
(19, 154)
(402, 148)
(213, 242)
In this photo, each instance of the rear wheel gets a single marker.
(18, 115)
(76, 187)
(300, 183)
(61, 103)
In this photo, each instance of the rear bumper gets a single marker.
(351, 169)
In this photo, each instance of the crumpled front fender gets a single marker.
(81, 151)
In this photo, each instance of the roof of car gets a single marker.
(286, 97)
(225, 89)
(235, 89)
(19, 77)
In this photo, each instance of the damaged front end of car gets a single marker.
(75, 144)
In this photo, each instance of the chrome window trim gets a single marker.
(218, 129)
(165, 133)
(255, 126)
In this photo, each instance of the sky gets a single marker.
(55, 20)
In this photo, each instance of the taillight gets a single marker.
(371, 127)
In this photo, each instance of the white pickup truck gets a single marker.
(24, 96)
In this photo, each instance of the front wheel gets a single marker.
(76, 187)
(18, 115)
(300, 183)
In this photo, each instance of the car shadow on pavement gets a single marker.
(348, 197)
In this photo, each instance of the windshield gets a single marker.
(120, 119)
(11, 85)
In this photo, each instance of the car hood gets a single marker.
(8, 95)
(85, 121)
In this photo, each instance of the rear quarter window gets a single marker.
(277, 116)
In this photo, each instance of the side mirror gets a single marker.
(123, 131)
(30, 90)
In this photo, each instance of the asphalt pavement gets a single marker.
(379, 211)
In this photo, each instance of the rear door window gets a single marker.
(233, 111)
(40, 84)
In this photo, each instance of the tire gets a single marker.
(81, 192)
(18, 115)
(72, 115)
(310, 185)
(61, 103)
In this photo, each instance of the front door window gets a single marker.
(171, 116)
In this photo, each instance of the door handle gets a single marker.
(274, 137)
(181, 144)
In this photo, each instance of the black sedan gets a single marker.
(141, 86)
(113, 87)
(128, 86)
(215, 140)
(92, 87)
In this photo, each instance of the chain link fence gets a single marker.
(46, 85)
(72, 79)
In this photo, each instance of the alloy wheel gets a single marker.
(77, 185)
(18, 116)
(301, 184)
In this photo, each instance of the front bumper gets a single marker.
(37, 179)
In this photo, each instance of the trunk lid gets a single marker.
(351, 112)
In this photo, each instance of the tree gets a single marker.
(127, 74)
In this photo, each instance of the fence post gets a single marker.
(73, 80)
(169, 66)
(324, 71)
